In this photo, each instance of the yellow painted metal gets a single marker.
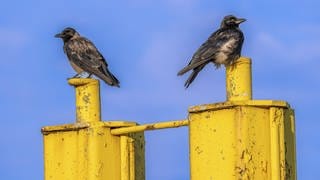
(137, 160)
(132, 160)
(237, 139)
(86, 150)
(124, 157)
(87, 99)
(146, 127)
(242, 138)
(231, 104)
(238, 80)
(242, 142)
(85, 153)
(83, 125)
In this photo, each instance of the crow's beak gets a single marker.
(57, 35)
(240, 20)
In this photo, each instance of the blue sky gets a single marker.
(146, 43)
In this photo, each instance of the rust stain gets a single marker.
(100, 169)
(150, 127)
(198, 150)
(264, 167)
(86, 98)
(246, 170)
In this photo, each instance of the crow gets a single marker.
(222, 47)
(84, 57)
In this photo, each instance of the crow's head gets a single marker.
(231, 21)
(67, 34)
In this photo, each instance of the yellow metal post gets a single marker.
(146, 127)
(87, 99)
(237, 139)
(86, 150)
(238, 80)
(242, 138)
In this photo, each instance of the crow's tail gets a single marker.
(110, 79)
(192, 66)
(193, 75)
(104, 74)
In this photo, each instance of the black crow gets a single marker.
(222, 47)
(84, 57)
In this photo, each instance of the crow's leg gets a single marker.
(76, 76)
(83, 74)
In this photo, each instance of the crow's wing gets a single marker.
(84, 54)
(207, 50)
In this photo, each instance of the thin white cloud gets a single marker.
(299, 50)
(267, 40)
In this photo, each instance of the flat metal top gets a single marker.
(78, 126)
(82, 81)
(229, 104)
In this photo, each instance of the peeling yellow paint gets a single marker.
(86, 150)
(242, 138)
